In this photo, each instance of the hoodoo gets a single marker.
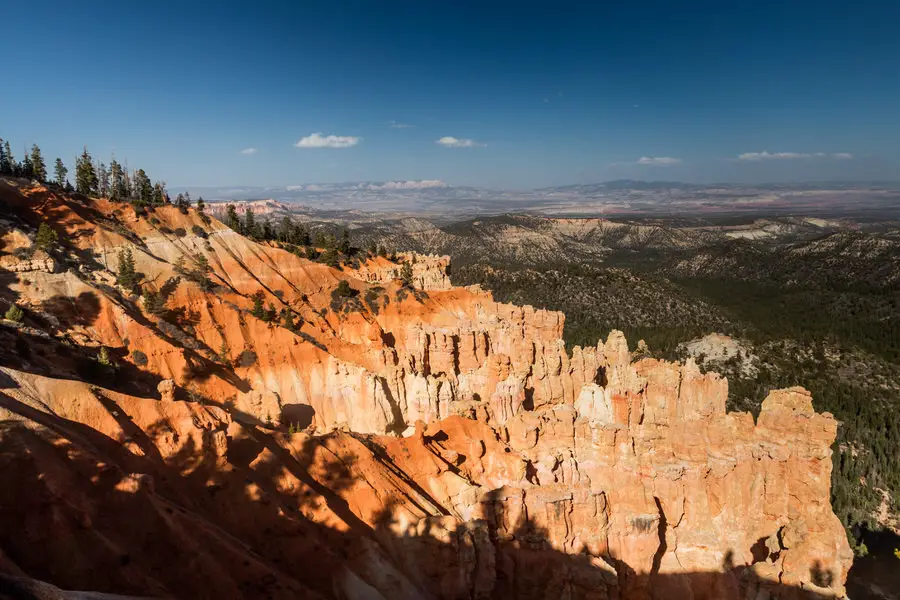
(256, 424)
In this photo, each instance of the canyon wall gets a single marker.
(451, 446)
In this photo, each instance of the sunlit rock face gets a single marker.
(402, 440)
(712, 506)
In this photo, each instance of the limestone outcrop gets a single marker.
(451, 446)
(428, 272)
(38, 261)
(663, 500)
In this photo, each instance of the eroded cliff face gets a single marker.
(375, 363)
(174, 498)
(524, 469)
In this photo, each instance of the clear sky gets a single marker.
(507, 94)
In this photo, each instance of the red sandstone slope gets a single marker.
(540, 471)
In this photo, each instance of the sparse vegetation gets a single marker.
(258, 309)
(61, 173)
(199, 274)
(103, 357)
(375, 298)
(127, 275)
(344, 298)
(406, 274)
(139, 358)
(46, 238)
(14, 314)
(287, 320)
(154, 303)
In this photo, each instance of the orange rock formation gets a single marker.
(524, 469)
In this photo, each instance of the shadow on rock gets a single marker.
(221, 510)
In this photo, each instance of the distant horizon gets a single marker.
(332, 185)
(620, 197)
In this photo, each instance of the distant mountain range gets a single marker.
(434, 197)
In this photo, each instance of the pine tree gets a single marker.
(287, 318)
(224, 352)
(14, 314)
(201, 206)
(249, 223)
(46, 238)
(116, 186)
(201, 274)
(154, 303)
(127, 187)
(157, 195)
(182, 203)
(286, 231)
(406, 274)
(331, 258)
(127, 275)
(102, 181)
(258, 311)
(302, 235)
(271, 313)
(38, 166)
(345, 243)
(4, 160)
(8, 164)
(231, 218)
(203, 264)
(61, 173)
(85, 176)
(27, 169)
(143, 187)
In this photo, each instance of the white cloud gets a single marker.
(396, 125)
(452, 142)
(408, 185)
(764, 155)
(249, 151)
(658, 161)
(317, 140)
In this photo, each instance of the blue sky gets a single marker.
(523, 94)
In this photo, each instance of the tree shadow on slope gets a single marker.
(876, 575)
(68, 312)
(43, 343)
(220, 512)
(32, 350)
